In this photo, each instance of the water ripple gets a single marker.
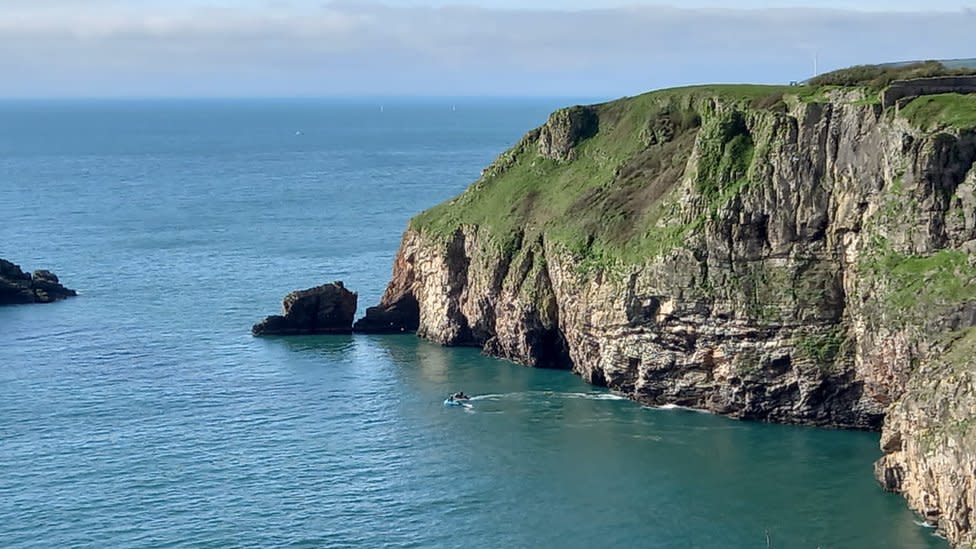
(143, 414)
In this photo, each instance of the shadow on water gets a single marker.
(427, 365)
(332, 347)
(731, 479)
(147, 414)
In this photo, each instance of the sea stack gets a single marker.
(18, 287)
(326, 309)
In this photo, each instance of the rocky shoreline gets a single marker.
(801, 260)
(792, 255)
(18, 287)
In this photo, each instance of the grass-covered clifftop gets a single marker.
(877, 77)
(609, 195)
(612, 191)
(942, 111)
(784, 253)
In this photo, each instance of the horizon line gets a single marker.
(303, 97)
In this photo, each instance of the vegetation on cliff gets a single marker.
(614, 199)
(947, 110)
(604, 181)
(877, 77)
(785, 253)
(923, 285)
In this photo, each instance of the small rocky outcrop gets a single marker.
(18, 287)
(326, 309)
(398, 317)
(398, 310)
(565, 129)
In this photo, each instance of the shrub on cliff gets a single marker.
(878, 77)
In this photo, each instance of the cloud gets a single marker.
(105, 47)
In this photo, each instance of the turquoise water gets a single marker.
(142, 414)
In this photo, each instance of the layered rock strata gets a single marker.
(752, 252)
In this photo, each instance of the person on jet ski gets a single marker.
(459, 396)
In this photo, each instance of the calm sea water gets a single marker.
(143, 414)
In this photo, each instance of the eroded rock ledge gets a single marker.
(18, 287)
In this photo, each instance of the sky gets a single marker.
(570, 48)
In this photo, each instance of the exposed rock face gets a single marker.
(326, 309)
(902, 89)
(398, 310)
(930, 441)
(797, 263)
(18, 287)
(399, 317)
(564, 130)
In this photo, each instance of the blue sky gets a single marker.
(869, 5)
(862, 5)
(110, 48)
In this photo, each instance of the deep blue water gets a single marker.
(143, 414)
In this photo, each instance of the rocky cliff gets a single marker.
(799, 255)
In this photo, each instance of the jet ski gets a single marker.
(458, 399)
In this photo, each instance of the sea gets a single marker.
(143, 414)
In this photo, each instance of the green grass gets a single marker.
(814, 94)
(878, 77)
(619, 200)
(949, 110)
(925, 284)
(821, 348)
(615, 201)
(735, 92)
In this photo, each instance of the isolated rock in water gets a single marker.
(326, 309)
(18, 287)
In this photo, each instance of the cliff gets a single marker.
(791, 254)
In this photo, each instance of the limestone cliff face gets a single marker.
(930, 441)
(768, 258)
